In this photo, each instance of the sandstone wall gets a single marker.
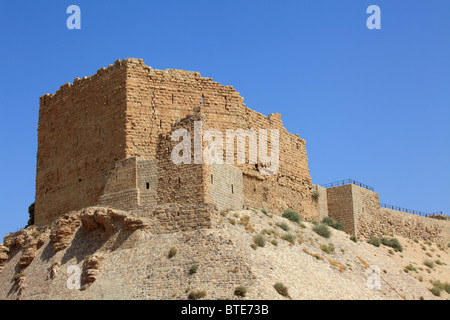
(385, 222)
(132, 183)
(156, 99)
(365, 203)
(341, 208)
(321, 200)
(226, 188)
(122, 177)
(372, 220)
(81, 135)
(179, 183)
(147, 181)
(129, 110)
(359, 211)
(171, 217)
(290, 187)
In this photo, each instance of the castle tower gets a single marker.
(105, 140)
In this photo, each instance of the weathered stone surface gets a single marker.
(27, 241)
(99, 218)
(53, 270)
(136, 264)
(63, 229)
(91, 266)
(117, 152)
(115, 202)
(358, 210)
(3, 255)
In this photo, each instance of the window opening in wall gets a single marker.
(147, 185)
(203, 99)
(179, 181)
(172, 98)
(232, 189)
(225, 100)
(212, 180)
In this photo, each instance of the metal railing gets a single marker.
(396, 208)
(347, 181)
(384, 205)
(419, 213)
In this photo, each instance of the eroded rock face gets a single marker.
(133, 223)
(91, 219)
(91, 265)
(20, 285)
(100, 218)
(63, 229)
(27, 240)
(60, 235)
(28, 255)
(3, 256)
(17, 239)
(109, 220)
(53, 270)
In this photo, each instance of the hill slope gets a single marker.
(118, 258)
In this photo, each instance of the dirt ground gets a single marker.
(425, 261)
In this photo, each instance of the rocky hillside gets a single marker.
(100, 253)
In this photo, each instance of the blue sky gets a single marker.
(373, 105)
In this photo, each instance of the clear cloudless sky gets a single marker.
(373, 105)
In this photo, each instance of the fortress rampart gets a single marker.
(359, 211)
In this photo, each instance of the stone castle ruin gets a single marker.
(106, 140)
